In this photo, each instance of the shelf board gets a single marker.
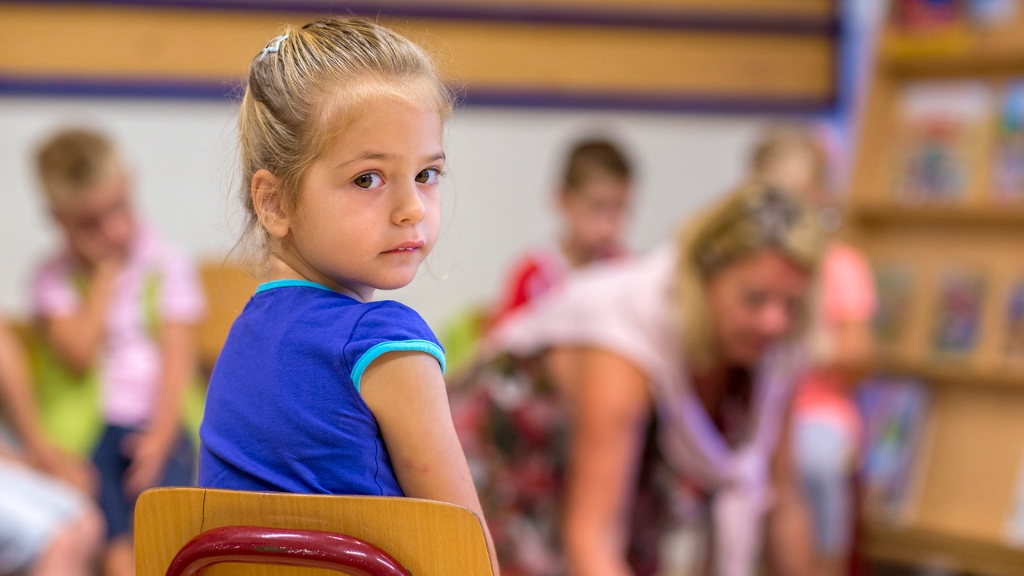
(925, 547)
(955, 51)
(896, 214)
(952, 372)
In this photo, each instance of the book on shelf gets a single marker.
(927, 15)
(992, 13)
(1008, 169)
(894, 285)
(894, 412)
(941, 129)
(941, 15)
(1013, 332)
(957, 322)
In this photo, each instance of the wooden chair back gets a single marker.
(426, 538)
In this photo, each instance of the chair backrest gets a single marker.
(427, 538)
(228, 287)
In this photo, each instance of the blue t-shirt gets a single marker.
(284, 412)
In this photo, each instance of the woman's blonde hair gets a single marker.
(301, 90)
(753, 218)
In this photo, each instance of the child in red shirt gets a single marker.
(593, 204)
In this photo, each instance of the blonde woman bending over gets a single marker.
(679, 369)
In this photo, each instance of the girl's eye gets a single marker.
(428, 176)
(368, 181)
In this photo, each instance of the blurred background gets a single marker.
(918, 106)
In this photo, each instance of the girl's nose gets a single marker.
(409, 207)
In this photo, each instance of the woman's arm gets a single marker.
(406, 393)
(790, 540)
(611, 407)
(150, 449)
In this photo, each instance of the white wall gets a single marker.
(503, 166)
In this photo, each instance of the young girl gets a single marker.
(827, 425)
(319, 389)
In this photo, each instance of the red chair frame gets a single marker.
(286, 547)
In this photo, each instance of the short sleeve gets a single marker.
(181, 294)
(53, 294)
(388, 327)
(849, 289)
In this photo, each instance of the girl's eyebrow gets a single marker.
(386, 156)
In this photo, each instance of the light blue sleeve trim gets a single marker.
(289, 283)
(395, 346)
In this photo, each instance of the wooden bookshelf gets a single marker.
(923, 547)
(953, 52)
(968, 467)
(900, 215)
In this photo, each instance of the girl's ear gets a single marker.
(268, 203)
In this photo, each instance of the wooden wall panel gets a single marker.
(495, 57)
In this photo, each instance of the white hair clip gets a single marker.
(273, 46)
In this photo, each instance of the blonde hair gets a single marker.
(300, 88)
(751, 219)
(782, 139)
(72, 160)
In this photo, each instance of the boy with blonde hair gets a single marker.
(119, 300)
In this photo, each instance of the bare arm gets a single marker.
(853, 349)
(611, 409)
(77, 337)
(16, 396)
(790, 539)
(406, 393)
(152, 448)
(16, 393)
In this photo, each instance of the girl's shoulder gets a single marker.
(391, 320)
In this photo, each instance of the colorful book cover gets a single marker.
(894, 412)
(927, 14)
(894, 285)
(941, 143)
(1014, 334)
(1008, 173)
(992, 13)
(958, 314)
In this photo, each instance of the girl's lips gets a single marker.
(407, 247)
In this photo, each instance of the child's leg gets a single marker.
(119, 559)
(73, 550)
(180, 469)
(46, 528)
(111, 464)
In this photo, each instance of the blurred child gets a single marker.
(119, 300)
(46, 527)
(318, 388)
(593, 204)
(827, 426)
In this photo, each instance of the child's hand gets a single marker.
(72, 470)
(107, 269)
(148, 452)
